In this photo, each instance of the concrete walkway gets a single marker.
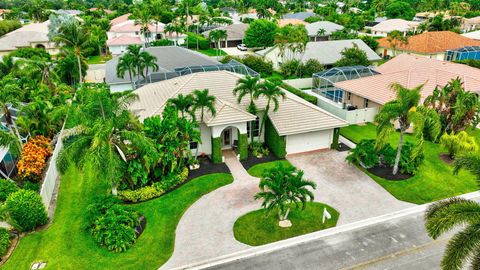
(206, 229)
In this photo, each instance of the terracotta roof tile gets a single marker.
(432, 42)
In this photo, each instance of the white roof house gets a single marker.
(383, 28)
(473, 35)
(33, 35)
(329, 27)
(302, 125)
(326, 52)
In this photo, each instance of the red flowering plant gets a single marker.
(34, 158)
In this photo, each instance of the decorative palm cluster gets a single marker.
(33, 159)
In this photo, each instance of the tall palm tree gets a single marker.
(75, 36)
(272, 92)
(248, 86)
(143, 17)
(204, 102)
(320, 33)
(446, 215)
(283, 186)
(148, 61)
(183, 104)
(135, 52)
(173, 29)
(217, 36)
(126, 63)
(11, 137)
(157, 8)
(404, 111)
(396, 38)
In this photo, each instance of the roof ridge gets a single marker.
(173, 94)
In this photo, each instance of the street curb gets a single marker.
(255, 251)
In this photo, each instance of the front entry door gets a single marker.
(227, 137)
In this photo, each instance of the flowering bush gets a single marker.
(33, 159)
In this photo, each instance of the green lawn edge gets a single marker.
(259, 169)
(256, 228)
(435, 179)
(67, 245)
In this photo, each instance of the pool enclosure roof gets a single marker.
(232, 66)
(339, 74)
(468, 52)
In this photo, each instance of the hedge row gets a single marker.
(299, 93)
(275, 142)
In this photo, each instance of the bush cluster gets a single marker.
(113, 225)
(203, 43)
(367, 156)
(26, 210)
(4, 241)
(33, 158)
(7, 26)
(162, 42)
(254, 62)
(155, 190)
(7, 187)
(258, 149)
(295, 68)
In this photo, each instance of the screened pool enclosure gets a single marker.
(465, 53)
(232, 66)
(323, 82)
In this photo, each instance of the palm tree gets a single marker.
(446, 215)
(283, 186)
(134, 51)
(248, 86)
(404, 111)
(157, 8)
(396, 38)
(320, 33)
(11, 137)
(126, 64)
(173, 28)
(147, 61)
(216, 36)
(205, 102)
(272, 92)
(183, 104)
(74, 36)
(143, 17)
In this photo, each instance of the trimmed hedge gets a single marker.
(4, 241)
(153, 191)
(336, 136)
(243, 145)
(275, 142)
(299, 93)
(217, 150)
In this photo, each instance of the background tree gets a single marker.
(183, 104)
(400, 10)
(396, 38)
(217, 36)
(353, 56)
(283, 186)
(403, 110)
(143, 18)
(260, 33)
(125, 65)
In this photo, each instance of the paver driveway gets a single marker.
(353, 193)
(206, 229)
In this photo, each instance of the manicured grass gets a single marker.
(435, 179)
(212, 52)
(257, 228)
(259, 169)
(98, 59)
(67, 244)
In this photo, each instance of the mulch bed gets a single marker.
(207, 167)
(386, 173)
(253, 160)
(342, 147)
(446, 158)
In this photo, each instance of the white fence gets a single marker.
(48, 186)
(300, 83)
(353, 117)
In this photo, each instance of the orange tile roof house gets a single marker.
(428, 44)
(409, 71)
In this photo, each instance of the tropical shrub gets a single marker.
(258, 149)
(408, 163)
(33, 186)
(7, 26)
(4, 241)
(310, 67)
(458, 143)
(162, 42)
(258, 64)
(387, 155)
(29, 53)
(7, 187)
(364, 154)
(290, 68)
(192, 39)
(25, 210)
(33, 158)
(115, 228)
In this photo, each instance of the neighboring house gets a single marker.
(384, 27)
(124, 32)
(71, 12)
(299, 15)
(376, 21)
(424, 16)
(470, 24)
(441, 45)
(235, 34)
(33, 35)
(3, 13)
(169, 58)
(409, 71)
(326, 52)
(297, 126)
(473, 35)
(108, 11)
(283, 22)
(313, 30)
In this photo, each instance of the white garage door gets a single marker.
(310, 141)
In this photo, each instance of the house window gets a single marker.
(256, 128)
(365, 103)
(349, 96)
(193, 145)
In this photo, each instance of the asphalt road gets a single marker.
(400, 243)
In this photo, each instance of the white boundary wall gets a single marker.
(300, 83)
(48, 185)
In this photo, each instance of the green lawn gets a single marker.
(433, 182)
(98, 59)
(212, 52)
(257, 228)
(67, 245)
(259, 169)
